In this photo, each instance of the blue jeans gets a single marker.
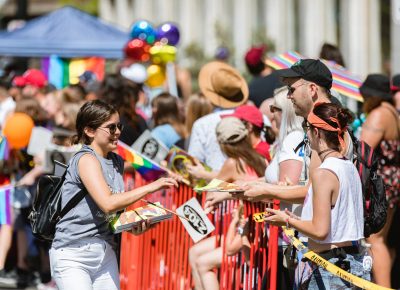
(314, 277)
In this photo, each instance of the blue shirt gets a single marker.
(166, 134)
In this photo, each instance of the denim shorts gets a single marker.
(311, 276)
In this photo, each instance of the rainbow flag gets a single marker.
(148, 169)
(5, 203)
(61, 71)
(343, 81)
(4, 149)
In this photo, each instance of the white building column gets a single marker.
(281, 32)
(395, 37)
(360, 36)
(107, 11)
(143, 9)
(210, 13)
(243, 11)
(317, 25)
(124, 11)
(166, 11)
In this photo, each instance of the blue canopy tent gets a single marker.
(66, 32)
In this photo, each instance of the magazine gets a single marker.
(127, 220)
(221, 186)
(178, 159)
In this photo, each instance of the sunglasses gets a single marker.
(306, 126)
(292, 89)
(112, 128)
(274, 109)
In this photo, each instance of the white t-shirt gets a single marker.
(286, 152)
(6, 107)
(347, 217)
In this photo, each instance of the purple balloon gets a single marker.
(168, 33)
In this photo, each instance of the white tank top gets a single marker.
(347, 217)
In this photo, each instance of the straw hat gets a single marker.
(223, 85)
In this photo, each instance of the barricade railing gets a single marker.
(159, 258)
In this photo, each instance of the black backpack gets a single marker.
(374, 195)
(46, 208)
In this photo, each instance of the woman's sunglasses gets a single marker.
(306, 126)
(274, 109)
(112, 128)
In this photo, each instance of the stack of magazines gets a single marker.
(129, 219)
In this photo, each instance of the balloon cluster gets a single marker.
(154, 48)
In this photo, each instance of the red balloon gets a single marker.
(137, 49)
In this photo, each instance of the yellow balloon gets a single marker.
(156, 76)
(163, 53)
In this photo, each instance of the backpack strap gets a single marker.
(73, 202)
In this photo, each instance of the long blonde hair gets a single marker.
(290, 121)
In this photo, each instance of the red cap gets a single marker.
(255, 55)
(248, 113)
(31, 77)
(395, 85)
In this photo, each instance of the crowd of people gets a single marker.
(282, 136)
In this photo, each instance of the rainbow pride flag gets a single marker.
(4, 149)
(148, 169)
(61, 71)
(343, 81)
(5, 203)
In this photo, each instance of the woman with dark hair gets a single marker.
(331, 52)
(243, 163)
(381, 130)
(332, 216)
(123, 94)
(169, 126)
(82, 254)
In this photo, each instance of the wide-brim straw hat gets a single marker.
(223, 85)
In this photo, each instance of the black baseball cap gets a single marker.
(312, 70)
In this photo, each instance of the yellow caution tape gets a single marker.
(260, 216)
(315, 258)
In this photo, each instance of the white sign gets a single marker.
(198, 225)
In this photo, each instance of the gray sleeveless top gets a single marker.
(87, 219)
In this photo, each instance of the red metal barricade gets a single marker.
(158, 259)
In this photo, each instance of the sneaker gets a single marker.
(47, 286)
(6, 280)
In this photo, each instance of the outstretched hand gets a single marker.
(277, 217)
(163, 182)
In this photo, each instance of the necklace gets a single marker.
(327, 153)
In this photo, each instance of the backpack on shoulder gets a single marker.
(374, 195)
(46, 207)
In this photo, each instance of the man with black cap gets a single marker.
(309, 81)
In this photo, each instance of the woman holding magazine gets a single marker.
(82, 254)
(332, 216)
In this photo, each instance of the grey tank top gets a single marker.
(87, 219)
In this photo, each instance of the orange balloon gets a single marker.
(17, 129)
